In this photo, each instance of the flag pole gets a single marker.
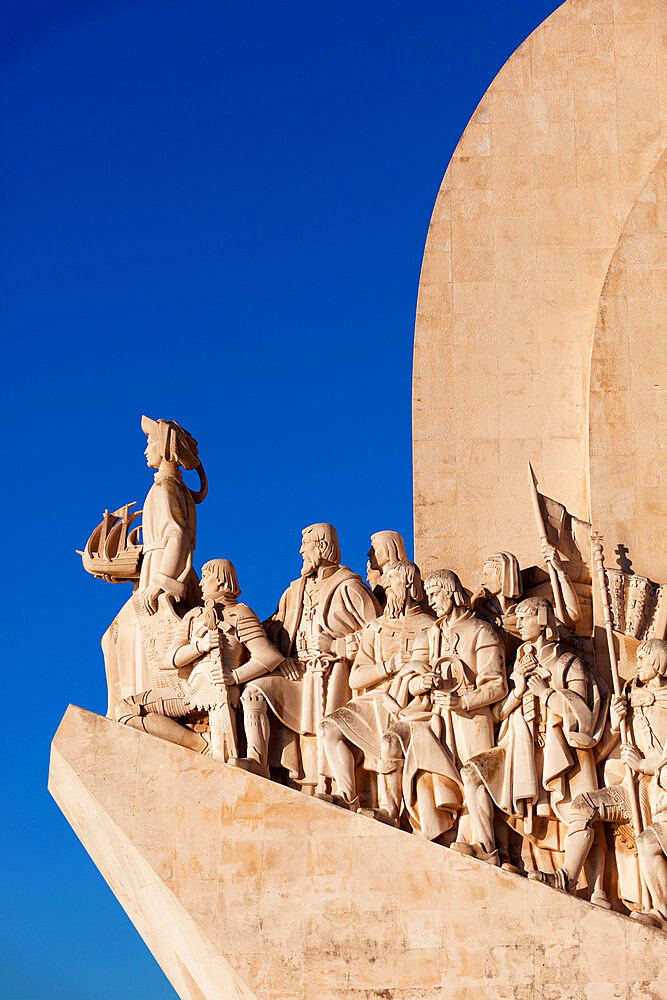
(542, 531)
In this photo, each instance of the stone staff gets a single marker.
(542, 531)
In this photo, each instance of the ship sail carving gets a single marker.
(113, 551)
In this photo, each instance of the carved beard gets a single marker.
(395, 604)
(309, 567)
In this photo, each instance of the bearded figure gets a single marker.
(314, 628)
(352, 735)
(444, 698)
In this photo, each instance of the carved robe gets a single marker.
(169, 512)
(545, 753)
(364, 719)
(647, 730)
(315, 616)
(440, 745)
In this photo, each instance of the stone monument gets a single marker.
(454, 784)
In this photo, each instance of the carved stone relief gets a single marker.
(476, 718)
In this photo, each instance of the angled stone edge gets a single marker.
(185, 954)
(242, 888)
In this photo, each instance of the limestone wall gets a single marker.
(524, 227)
(628, 386)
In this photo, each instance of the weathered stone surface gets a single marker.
(524, 227)
(628, 462)
(245, 889)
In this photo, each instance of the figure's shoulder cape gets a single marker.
(342, 575)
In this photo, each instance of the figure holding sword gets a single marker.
(220, 646)
(315, 628)
(551, 721)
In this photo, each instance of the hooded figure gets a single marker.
(499, 590)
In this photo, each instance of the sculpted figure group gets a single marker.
(474, 718)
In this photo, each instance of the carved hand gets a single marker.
(537, 685)
(526, 664)
(448, 699)
(149, 598)
(206, 642)
(421, 684)
(289, 668)
(397, 662)
(618, 711)
(633, 759)
(519, 682)
(551, 555)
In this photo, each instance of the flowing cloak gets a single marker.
(440, 745)
(364, 719)
(658, 795)
(519, 771)
(169, 512)
(344, 605)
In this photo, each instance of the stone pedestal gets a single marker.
(242, 888)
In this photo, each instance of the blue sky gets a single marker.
(214, 213)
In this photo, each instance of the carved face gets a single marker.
(210, 585)
(646, 671)
(152, 453)
(373, 570)
(529, 626)
(441, 600)
(396, 593)
(311, 553)
(491, 577)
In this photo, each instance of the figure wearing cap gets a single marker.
(499, 590)
(169, 516)
(169, 524)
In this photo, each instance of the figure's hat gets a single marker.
(175, 442)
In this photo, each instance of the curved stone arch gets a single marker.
(627, 390)
(526, 221)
